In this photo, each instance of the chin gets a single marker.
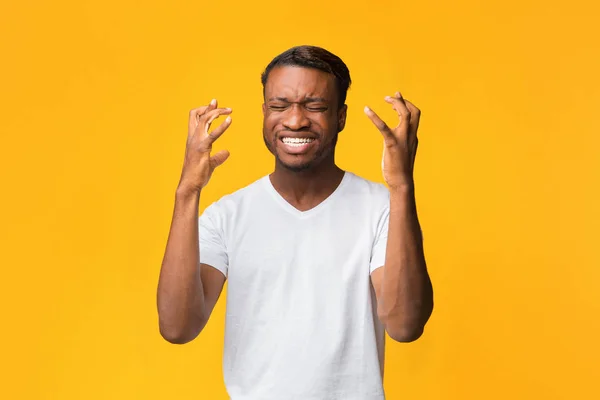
(298, 166)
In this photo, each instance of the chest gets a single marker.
(331, 250)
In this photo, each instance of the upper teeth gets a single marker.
(297, 140)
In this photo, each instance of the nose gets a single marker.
(295, 119)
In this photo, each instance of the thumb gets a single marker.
(219, 158)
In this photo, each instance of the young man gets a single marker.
(320, 263)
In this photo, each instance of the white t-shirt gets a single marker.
(301, 314)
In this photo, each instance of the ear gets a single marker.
(342, 117)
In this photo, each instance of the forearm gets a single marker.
(406, 291)
(180, 294)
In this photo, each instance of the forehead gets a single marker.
(296, 83)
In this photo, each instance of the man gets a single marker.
(320, 263)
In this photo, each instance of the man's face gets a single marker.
(301, 116)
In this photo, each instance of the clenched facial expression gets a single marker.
(302, 117)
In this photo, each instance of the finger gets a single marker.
(399, 106)
(382, 126)
(219, 158)
(193, 120)
(415, 113)
(212, 105)
(415, 116)
(219, 130)
(197, 112)
(209, 116)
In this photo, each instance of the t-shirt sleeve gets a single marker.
(213, 251)
(380, 242)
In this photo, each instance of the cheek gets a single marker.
(331, 124)
(270, 122)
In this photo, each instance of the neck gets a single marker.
(307, 188)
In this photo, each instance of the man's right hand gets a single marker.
(198, 164)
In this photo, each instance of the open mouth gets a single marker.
(296, 142)
(297, 145)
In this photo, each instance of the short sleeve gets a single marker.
(380, 242)
(213, 251)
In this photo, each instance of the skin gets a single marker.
(187, 290)
(299, 102)
(402, 286)
(303, 102)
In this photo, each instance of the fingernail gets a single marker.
(228, 119)
(367, 109)
(388, 97)
(213, 102)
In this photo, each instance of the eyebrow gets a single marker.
(307, 100)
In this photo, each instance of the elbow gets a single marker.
(403, 330)
(405, 334)
(174, 338)
(179, 328)
(176, 335)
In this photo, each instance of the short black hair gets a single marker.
(313, 57)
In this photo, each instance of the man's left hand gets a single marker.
(399, 143)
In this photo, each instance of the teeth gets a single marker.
(297, 141)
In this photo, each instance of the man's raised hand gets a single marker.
(198, 164)
(399, 143)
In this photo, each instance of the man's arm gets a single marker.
(187, 290)
(402, 286)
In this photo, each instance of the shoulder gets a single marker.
(228, 203)
(368, 199)
(374, 191)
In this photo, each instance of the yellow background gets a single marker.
(95, 96)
